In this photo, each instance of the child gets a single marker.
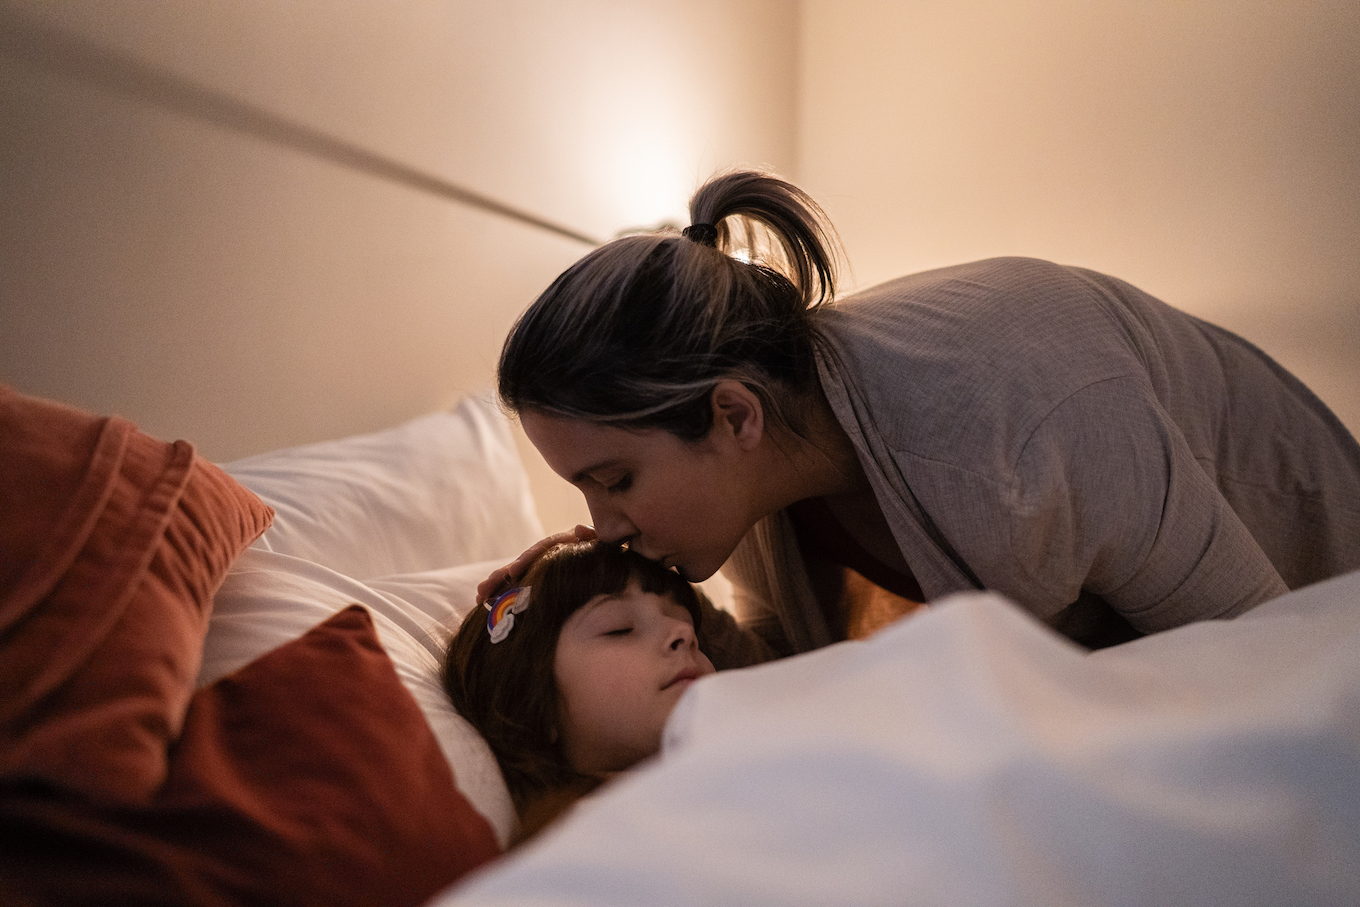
(571, 675)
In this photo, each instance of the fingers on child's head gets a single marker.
(564, 556)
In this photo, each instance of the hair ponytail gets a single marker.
(806, 244)
(639, 331)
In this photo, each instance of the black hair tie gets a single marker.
(703, 234)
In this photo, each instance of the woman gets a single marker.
(1113, 465)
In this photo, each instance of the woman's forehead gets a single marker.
(577, 448)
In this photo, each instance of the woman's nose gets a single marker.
(611, 526)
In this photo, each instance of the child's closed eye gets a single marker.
(619, 631)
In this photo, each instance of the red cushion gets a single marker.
(112, 544)
(307, 777)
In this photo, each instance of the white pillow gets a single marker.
(405, 522)
(269, 599)
(444, 489)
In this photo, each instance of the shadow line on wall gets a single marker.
(71, 56)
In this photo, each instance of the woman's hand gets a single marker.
(509, 574)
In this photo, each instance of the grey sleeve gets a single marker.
(1106, 496)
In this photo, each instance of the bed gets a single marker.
(220, 686)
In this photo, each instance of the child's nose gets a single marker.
(682, 635)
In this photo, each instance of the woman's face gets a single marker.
(685, 504)
(622, 663)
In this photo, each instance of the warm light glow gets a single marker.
(647, 177)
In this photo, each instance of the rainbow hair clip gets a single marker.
(502, 610)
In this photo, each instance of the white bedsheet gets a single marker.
(970, 756)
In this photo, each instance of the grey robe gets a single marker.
(1069, 441)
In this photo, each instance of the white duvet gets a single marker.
(970, 756)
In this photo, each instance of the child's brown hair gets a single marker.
(508, 690)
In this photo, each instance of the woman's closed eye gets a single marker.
(619, 631)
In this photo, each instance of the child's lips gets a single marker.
(687, 676)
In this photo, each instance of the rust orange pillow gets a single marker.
(112, 544)
(307, 777)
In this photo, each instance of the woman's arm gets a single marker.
(1107, 497)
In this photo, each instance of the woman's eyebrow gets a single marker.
(583, 474)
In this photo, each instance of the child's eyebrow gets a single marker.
(599, 601)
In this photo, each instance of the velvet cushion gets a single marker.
(112, 544)
(307, 777)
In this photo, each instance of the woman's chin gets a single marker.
(694, 574)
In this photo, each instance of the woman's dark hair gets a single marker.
(508, 690)
(638, 332)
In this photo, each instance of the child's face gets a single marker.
(622, 662)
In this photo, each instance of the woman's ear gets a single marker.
(737, 411)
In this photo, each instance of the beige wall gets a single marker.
(217, 287)
(1208, 151)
